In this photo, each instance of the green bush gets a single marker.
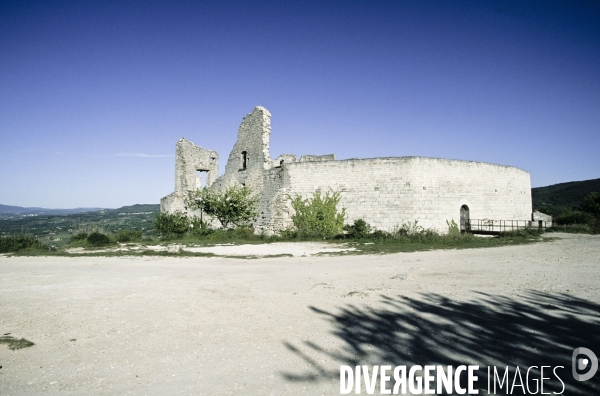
(128, 236)
(15, 243)
(318, 216)
(172, 224)
(199, 228)
(360, 229)
(235, 205)
(98, 239)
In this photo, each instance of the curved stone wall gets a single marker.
(387, 192)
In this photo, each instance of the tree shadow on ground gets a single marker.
(537, 329)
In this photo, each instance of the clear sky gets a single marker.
(95, 94)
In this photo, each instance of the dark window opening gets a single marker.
(244, 160)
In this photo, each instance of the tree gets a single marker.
(592, 204)
(235, 205)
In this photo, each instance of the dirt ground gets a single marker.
(283, 326)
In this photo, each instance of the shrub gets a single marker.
(235, 205)
(98, 239)
(199, 228)
(128, 235)
(409, 229)
(318, 216)
(168, 224)
(453, 228)
(15, 243)
(360, 229)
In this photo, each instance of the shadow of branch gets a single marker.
(537, 329)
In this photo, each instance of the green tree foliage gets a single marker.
(172, 224)
(588, 213)
(318, 216)
(570, 217)
(591, 204)
(234, 206)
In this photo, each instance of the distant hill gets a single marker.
(564, 195)
(18, 210)
(138, 208)
(57, 229)
(44, 211)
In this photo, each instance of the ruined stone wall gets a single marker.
(317, 158)
(387, 192)
(250, 154)
(189, 159)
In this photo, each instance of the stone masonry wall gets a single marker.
(189, 158)
(250, 154)
(387, 192)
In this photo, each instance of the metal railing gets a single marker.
(495, 227)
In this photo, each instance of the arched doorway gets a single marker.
(465, 219)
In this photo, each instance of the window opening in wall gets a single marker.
(243, 160)
(201, 178)
(212, 159)
(465, 219)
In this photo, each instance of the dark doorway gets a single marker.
(465, 219)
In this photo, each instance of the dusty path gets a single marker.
(215, 326)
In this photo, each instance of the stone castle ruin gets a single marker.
(385, 192)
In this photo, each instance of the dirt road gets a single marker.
(216, 326)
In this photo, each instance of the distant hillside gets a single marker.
(564, 195)
(56, 230)
(138, 208)
(44, 211)
(7, 209)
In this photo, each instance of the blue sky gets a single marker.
(95, 94)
